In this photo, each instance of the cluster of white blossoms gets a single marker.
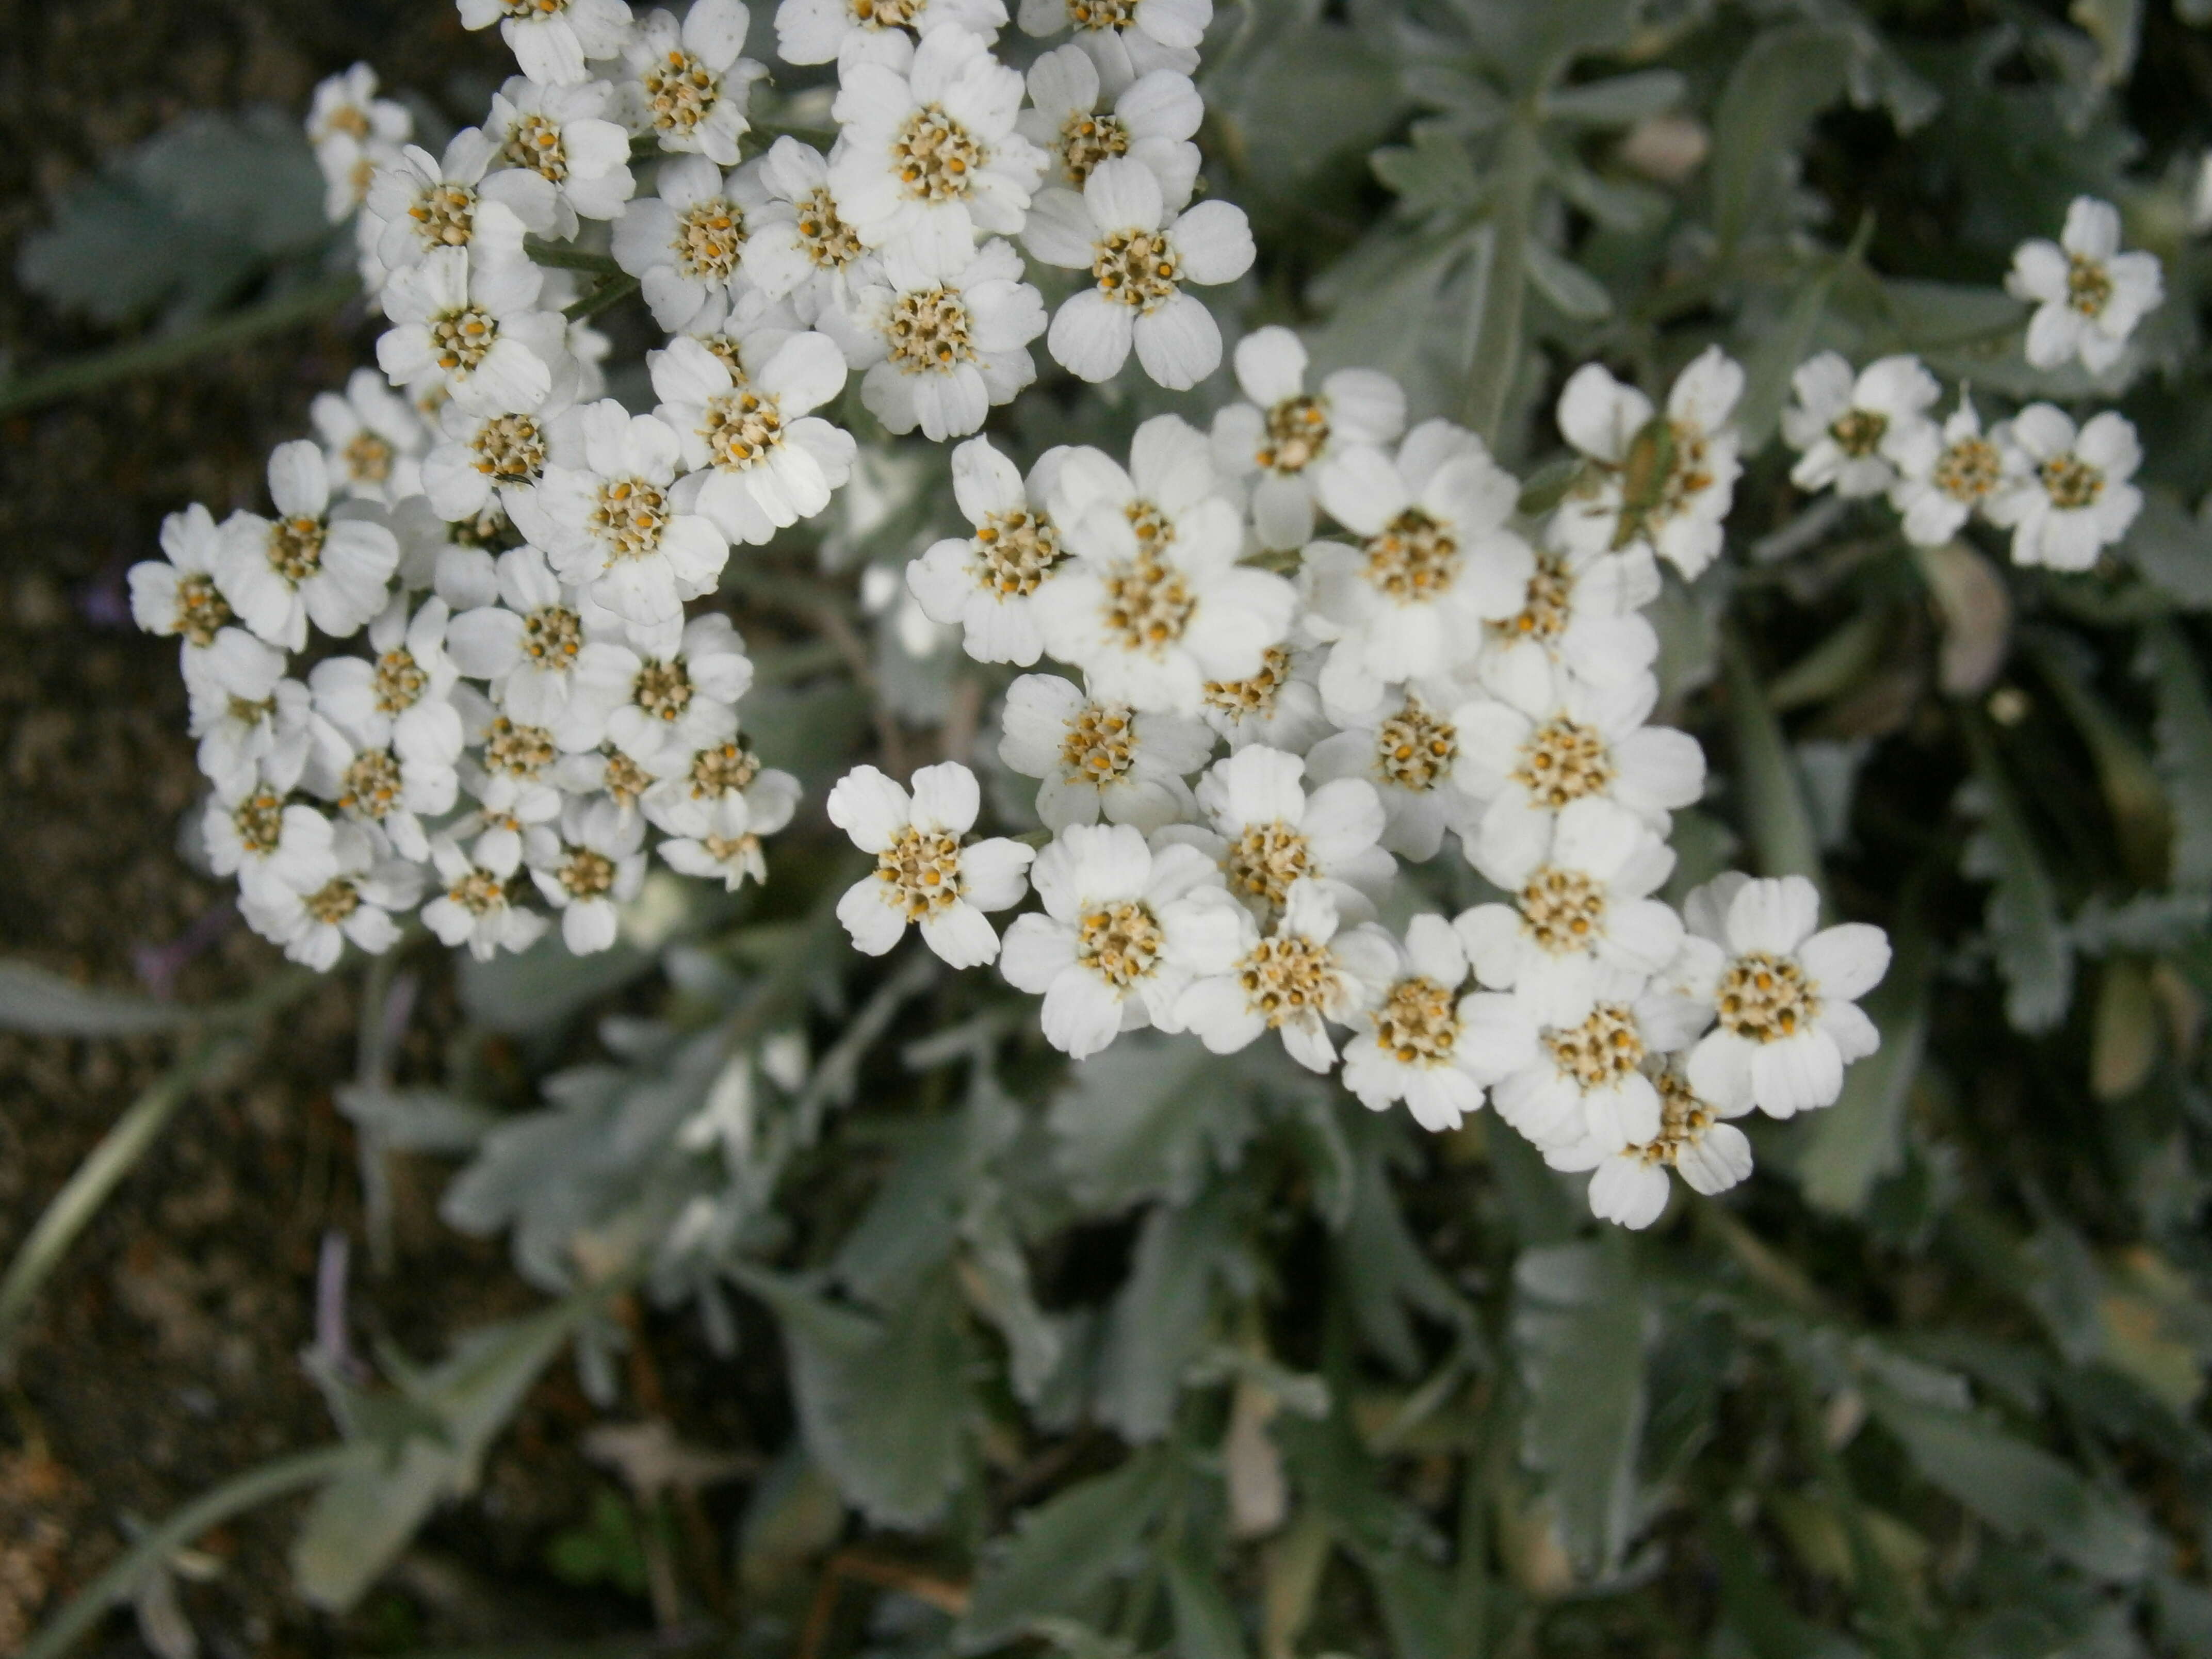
(2063, 491)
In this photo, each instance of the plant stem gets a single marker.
(124, 362)
(1497, 362)
(610, 293)
(543, 253)
(1779, 822)
(259, 1485)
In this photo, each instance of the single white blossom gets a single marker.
(1629, 1185)
(1580, 622)
(809, 254)
(1100, 760)
(1860, 434)
(1425, 1042)
(617, 532)
(425, 203)
(531, 647)
(475, 333)
(1125, 38)
(987, 583)
(923, 873)
(596, 862)
(252, 723)
(553, 40)
(1279, 704)
(177, 595)
(490, 464)
(267, 845)
(2064, 495)
(1152, 120)
(1269, 835)
(711, 789)
(354, 133)
(1298, 979)
(646, 699)
(1279, 437)
(372, 440)
(560, 133)
(760, 458)
(398, 696)
(1962, 474)
(311, 563)
(686, 83)
(474, 903)
(817, 31)
(1588, 1092)
(2088, 296)
(1411, 751)
(356, 905)
(690, 243)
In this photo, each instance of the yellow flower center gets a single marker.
(2088, 285)
(2071, 482)
(535, 143)
(829, 242)
(1564, 910)
(587, 874)
(1100, 745)
(202, 610)
(1256, 697)
(1265, 859)
(929, 330)
(1120, 943)
(1137, 267)
(445, 215)
(1419, 1022)
(679, 92)
(631, 515)
(1015, 552)
(1286, 976)
(367, 458)
(259, 819)
(334, 900)
(1766, 998)
(724, 769)
(1563, 761)
(709, 239)
(1858, 432)
(1968, 469)
(509, 449)
(551, 636)
(1085, 140)
(935, 159)
(463, 338)
(371, 785)
(921, 870)
(1603, 1050)
(296, 549)
(1148, 603)
(741, 428)
(1414, 748)
(399, 680)
(1412, 559)
(662, 690)
(1297, 429)
(519, 752)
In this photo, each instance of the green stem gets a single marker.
(1777, 818)
(249, 1490)
(124, 362)
(543, 253)
(611, 292)
(1497, 362)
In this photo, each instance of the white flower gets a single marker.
(944, 330)
(251, 722)
(987, 583)
(1629, 1185)
(760, 458)
(2065, 496)
(310, 564)
(178, 595)
(1434, 564)
(511, 767)
(267, 845)
(425, 203)
(923, 874)
(617, 533)
(712, 789)
(1582, 929)
(1170, 471)
(686, 83)
(475, 905)
(1787, 996)
(2088, 296)
(1411, 751)
(354, 133)
(1860, 435)
(646, 700)
(561, 134)
(1100, 760)
(475, 333)
(532, 646)
(1284, 431)
(1125, 38)
(815, 30)
(372, 440)
(355, 904)
(928, 153)
(727, 848)
(1152, 612)
(1139, 256)
(1424, 1043)
(1522, 768)
(1269, 835)
(374, 784)
(1579, 621)
(1962, 474)
(690, 243)
(552, 39)
(1294, 981)
(398, 696)
(492, 463)
(1151, 121)
(594, 863)
(1587, 1092)
(1278, 705)
(811, 253)
(1661, 485)
(1125, 928)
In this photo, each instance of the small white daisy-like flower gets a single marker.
(1786, 995)
(1629, 1185)
(1425, 1042)
(1152, 614)
(310, 563)
(810, 253)
(711, 788)
(1963, 472)
(372, 438)
(377, 786)
(1582, 928)
(1306, 973)
(726, 847)
(760, 460)
(511, 769)
(475, 903)
(1140, 256)
(354, 133)
(476, 334)
(923, 873)
(1278, 705)
(987, 583)
(646, 698)
(1860, 434)
(1125, 38)
(491, 463)
(1523, 768)
(1100, 760)
(1282, 434)
(1587, 1086)
(1170, 471)
(426, 203)
(356, 905)
(1269, 835)
(596, 862)
(1150, 121)
(1125, 929)
(2088, 296)
(266, 844)
(686, 83)
(562, 134)
(2065, 495)
(529, 648)
(944, 332)
(928, 153)
(1434, 563)
(252, 723)
(816, 31)
(177, 595)
(618, 535)
(1580, 620)
(1410, 749)
(1661, 483)
(553, 40)
(688, 243)
(398, 696)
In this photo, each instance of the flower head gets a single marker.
(1628, 1185)
(1125, 38)
(1281, 436)
(2065, 495)
(923, 873)
(1962, 473)
(761, 460)
(1860, 435)
(553, 40)
(562, 134)
(988, 582)
(1296, 979)
(595, 862)
(308, 564)
(1410, 750)
(944, 330)
(686, 83)
(690, 243)
(2088, 296)
(1423, 1042)
(616, 531)
(474, 333)
(424, 203)
(354, 133)
(1152, 120)
(372, 438)
(1270, 836)
(355, 906)
(1100, 760)
(474, 903)
(817, 31)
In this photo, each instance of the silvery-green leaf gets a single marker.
(416, 1119)
(2025, 927)
(1617, 100)
(2183, 734)
(1777, 87)
(1161, 1318)
(42, 1004)
(1574, 291)
(1063, 1551)
(1147, 1119)
(1861, 1139)
(2171, 549)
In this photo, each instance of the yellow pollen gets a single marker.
(1766, 998)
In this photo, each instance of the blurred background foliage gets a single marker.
(1171, 1353)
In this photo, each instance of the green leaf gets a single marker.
(1432, 171)
(1578, 1338)
(41, 1003)
(1147, 1119)
(1775, 354)
(1861, 1139)
(1618, 101)
(996, 1276)
(1161, 1316)
(1576, 293)
(416, 1119)
(1064, 1551)
(1779, 86)
(2182, 732)
(909, 1230)
(1533, 45)
(1206, 1626)
(2117, 26)
(2171, 549)
(1384, 1270)
(1778, 821)
(537, 989)
(2018, 1489)
(2025, 928)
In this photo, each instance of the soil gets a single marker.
(164, 1355)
